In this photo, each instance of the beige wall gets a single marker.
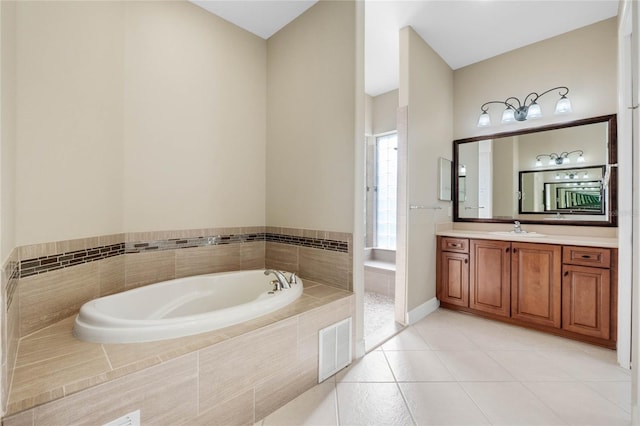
(69, 120)
(583, 60)
(194, 120)
(311, 107)
(426, 88)
(136, 116)
(7, 128)
(384, 110)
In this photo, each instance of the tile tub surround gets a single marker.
(242, 372)
(57, 289)
(55, 279)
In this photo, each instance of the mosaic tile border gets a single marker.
(12, 272)
(52, 262)
(214, 240)
(318, 243)
(180, 243)
(39, 265)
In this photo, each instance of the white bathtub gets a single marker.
(181, 307)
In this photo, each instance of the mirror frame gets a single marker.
(612, 159)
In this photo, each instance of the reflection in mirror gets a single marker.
(568, 192)
(444, 178)
(512, 176)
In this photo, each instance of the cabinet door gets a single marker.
(586, 296)
(489, 276)
(454, 279)
(536, 283)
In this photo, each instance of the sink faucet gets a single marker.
(516, 228)
(282, 280)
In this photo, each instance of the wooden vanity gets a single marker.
(565, 289)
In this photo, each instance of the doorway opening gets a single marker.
(380, 231)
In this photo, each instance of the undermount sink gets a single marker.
(518, 234)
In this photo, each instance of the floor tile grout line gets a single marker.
(460, 384)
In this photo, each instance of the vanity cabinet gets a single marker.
(490, 276)
(536, 283)
(564, 290)
(453, 271)
(586, 291)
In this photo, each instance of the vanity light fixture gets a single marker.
(526, 110)
(559, 159)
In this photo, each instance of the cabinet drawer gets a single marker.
(458, 245)
(586, 256)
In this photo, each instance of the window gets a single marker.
(386, 190)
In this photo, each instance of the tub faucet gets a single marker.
(282, 280)
(516, 228)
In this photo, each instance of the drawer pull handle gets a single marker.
(586, 256)
(455, 245)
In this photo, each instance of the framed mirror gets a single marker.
(562, 174)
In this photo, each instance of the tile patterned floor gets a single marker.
(379, 323)
(457, 369)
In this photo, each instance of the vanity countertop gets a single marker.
(572, 240)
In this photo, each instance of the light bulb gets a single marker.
(580, 159)
(508, 116)
(538, 162)
(534, 111)
(552, 162)
(566, 160)
(563, 106)
(484, 120)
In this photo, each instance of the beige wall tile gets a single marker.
(316, 319)
(50, 297)
(324, 266)
(112, 276)
(322, 291)
(37, 250)
(13, 337)
(233, 366)
(284, 386)
(281, 256)
(208, 259)
(148, 267)
(252, 255)
(235, 411)
(21, 419)
(52, 375)
(253, 229)
(165, 394)
(124, 354)
(107, 240)
(71, 245)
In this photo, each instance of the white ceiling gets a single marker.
(462, 32)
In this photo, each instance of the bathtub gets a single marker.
(181, 307)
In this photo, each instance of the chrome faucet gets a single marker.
(516, 228)
(282, 280)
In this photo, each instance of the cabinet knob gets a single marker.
(515, 250)
(566, 273)
(466, 261)
(506, 250)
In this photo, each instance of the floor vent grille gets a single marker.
(334, 349)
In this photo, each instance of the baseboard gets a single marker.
(422, 311)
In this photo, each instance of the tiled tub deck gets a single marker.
(235, 375)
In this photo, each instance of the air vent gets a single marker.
(334, 349)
